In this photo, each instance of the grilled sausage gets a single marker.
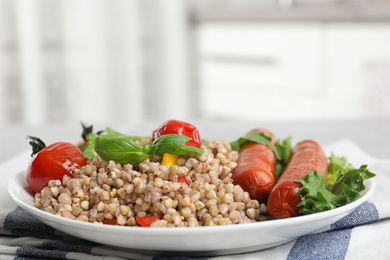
(306, 156)
(255, 171)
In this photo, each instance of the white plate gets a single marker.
(215, 240)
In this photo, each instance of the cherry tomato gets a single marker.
(53, 162)
(146, 221)
(180, 128)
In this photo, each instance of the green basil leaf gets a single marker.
(184, 150)
(169, 143)
(113, 133)
(89, 149)
(259, 138)
(120, 150)
(151, 150)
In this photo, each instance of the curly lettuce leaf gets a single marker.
(284, 148)
(353, 179)
(318, 197)
(337, 166)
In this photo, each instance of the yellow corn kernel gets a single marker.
(169, 160)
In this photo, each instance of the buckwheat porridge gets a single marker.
(196, 191)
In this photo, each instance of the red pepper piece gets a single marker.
(109, 221)
(146, 221)
(183, 179)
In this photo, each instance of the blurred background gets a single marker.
(120, 62)
(116, 61)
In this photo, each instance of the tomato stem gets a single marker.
(36, 144)
(86, 130)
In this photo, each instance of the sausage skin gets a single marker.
(306, 156)
(255, 171)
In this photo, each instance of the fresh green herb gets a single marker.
(317, 197)
(113, 133)
(122, 149)
(187, 150)
(284, 149)
(336, 166)
(86, 130)
(354, 179)
(174, 144)
(169, 143)
(89, 149)
(260, 138)
(205, 142)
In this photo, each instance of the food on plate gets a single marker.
(106, 190)
(181, 128)
(318, 196)
(52, 162)
(146, 221)
(125, 149)
(255, 171)
(130, 182)
(306, 156)
(173, 179)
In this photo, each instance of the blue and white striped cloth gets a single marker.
(364, 234)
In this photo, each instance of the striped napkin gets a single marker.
(363, 234)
